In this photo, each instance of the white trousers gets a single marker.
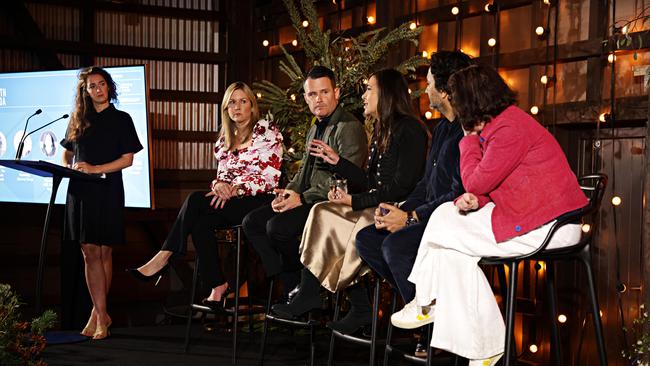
(467, 318)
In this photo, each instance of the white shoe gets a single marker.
(486, 362)
(412, 316)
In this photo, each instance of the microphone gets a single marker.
(19, 151)
(22, 142)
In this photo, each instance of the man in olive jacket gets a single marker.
(275, 230)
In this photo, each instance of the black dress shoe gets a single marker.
(157, 276)
(300, 305)
(351, 322)
(420, 350)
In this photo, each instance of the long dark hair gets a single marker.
(478, 94)
(84, 104)
(393, 102)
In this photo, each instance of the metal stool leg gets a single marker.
(511, 356)
(337, 308)
(595, 308)
(235, 319)
(375, 320)
(266, 325)
(556, 349)
(188, 328)
(428, 343)
(389, 331)
(312, 345)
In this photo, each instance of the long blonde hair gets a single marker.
(228, 130)
(84, 104)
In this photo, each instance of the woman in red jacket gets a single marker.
(517, 181)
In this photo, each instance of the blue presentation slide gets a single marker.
(21, 94)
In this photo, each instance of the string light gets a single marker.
(412, 26)
(294, 42)
(585, 228)
(603, 117)
(534, 110)
(291, 150)
(259, 95)
(547, 2)
(562, 318)
(365, 81)
(533, 348)
(410, 91)
(265, 43)
(371, 20)
(428, 114)
(540, 31)
(492, 42)
(305, 24)
(544, 79)
(488, 7)
(616, 200)
(611, 58)
(293, 97)
(625, 29)
(425, 54)
(455, 10)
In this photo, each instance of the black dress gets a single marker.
(94, 210)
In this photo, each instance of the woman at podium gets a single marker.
(249, 157)
(99, 140)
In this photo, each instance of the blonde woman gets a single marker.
(249, 154)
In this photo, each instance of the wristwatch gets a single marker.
(410, 220)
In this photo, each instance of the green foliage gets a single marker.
(640, 350)
(351, 58)
(20, 343)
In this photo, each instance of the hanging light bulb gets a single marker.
(293, 97)
(371, 20)
(425, 54)
(291, 150)
(534, 110)
(492, 42)
(625, 29)
(428, 114)
(616, 200)
(294, 42)
(562, 318)
(410, 91)
(533, 348)
(540, 31)
(412, 26)
(365, 81)
(259, 95)
(455, 10)
(488, 7)
(585, 228)
(547, 2)
(305, 24)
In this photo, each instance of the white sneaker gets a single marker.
(411, 316)
(486, 362)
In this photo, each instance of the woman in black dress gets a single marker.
(99, 140)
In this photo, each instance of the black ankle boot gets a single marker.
(307, 298)
(360, 314)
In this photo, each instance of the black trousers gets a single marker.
(392, 255)
(199, 219)
(276, 236)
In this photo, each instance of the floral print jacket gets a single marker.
(255, 169)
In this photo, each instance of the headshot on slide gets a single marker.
(3, 144)
(48, 143)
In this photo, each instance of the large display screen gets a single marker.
(22, 94)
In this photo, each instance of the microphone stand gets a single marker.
(21, 144)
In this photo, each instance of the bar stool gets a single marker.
(594, 187)
(309, 324)
(372, 341)
(234, 312)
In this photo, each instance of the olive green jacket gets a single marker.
(345, 135)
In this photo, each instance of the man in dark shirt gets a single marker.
(390, 246)
(275, 230)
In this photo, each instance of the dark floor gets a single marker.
(163, 345)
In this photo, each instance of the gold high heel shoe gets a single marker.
(90, 328)
(102, 331)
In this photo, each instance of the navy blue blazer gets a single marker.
(441, 181)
